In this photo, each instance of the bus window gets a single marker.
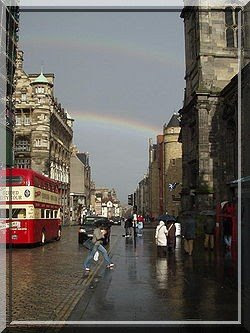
(47, 214)
(18, 213)
(55, 214)
(42, 214)
(4, 213)
(51, 214)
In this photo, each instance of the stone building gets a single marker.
(104, 201)
(111, 208)
(160, 160)
(153, 181)
(211, 62)
(80, 181)
(233, 144)
(142, 196)
(153, 195)
(228, 138)
(43, 131)
(9, 22)
(172, 175)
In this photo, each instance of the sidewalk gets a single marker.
(143, 287)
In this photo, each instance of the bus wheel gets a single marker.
(59, 234)
(43, 238)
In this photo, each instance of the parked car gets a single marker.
(89, 224)
(116, 220)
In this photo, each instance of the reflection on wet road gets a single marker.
(143, 287)
(48, 283)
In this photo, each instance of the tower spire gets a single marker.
(42, 67)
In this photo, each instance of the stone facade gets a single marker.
(43, 131)
(172, 166)
(153, 181)
(153, 197)
(9, 22)
(160, 159)
(211, 62)
(142, 197)
(227, 138)
(80, 178)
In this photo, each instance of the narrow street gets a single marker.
(48, 283)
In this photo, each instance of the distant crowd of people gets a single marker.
(165, 233)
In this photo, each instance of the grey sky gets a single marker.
(120, 76)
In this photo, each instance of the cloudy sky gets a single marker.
(119, 75)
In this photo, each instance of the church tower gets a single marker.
(211, 48)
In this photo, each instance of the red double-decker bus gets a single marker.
(29, 207)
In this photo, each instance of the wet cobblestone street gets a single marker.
(48, 283)
(45, 280)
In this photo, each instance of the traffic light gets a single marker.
(130, 200)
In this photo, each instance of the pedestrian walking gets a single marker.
(140, 225)
(128, 227)
(227, 232)
(161, 239)
(135, 223)
(228, 211)
(188, 232)
(171, 238)
(97, 240)
(209, 229)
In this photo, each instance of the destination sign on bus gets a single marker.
(21, 193)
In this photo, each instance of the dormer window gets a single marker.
(40, 90)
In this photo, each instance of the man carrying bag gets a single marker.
(97, 241)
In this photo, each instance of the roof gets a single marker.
(174, 121)
(68, 115)
(106, 200)
(83, 157)
(41, 79)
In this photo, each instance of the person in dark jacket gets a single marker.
(128, 227)
(188, 232)
(209, 229)
(171, 240)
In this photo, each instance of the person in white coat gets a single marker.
(161, 233)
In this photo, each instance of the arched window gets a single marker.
(231, 20)
(230, 37)
(229, 16)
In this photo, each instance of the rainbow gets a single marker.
(104, 45)
(116, 122)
